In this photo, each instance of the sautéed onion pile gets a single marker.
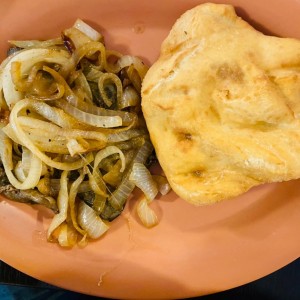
(73, 137)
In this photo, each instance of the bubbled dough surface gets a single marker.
(222, 104)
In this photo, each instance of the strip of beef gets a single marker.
(25, 196)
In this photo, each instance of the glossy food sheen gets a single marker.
(222, 106)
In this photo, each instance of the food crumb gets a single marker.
(129, 225)
(139, 28)
(101, 278)
(39, 236)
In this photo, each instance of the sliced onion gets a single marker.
(163, 185)
(124, 135)
(4, 63)
(96, 181)
(52, 186)
(99, 203)
(146, 214)
(72, 197)
(53, 114)
(26, 158)
(36, 43)
(75, 38)
(97, 184)
(29, 58)
(127, 117)
(134, 77)
(144, 152)
(119, 197)
(88, 49)
(60, 90)
(20, 83)
(34, 173)
(90, 221)
(25, 141)
(41, 141)
(74, 147)
(22, 167)
(112, 67)
(107, 164)
(107, 152)
(93, 74)
(142, 178)
(34, 85)
(20, 172)
(128, 60)
(84, 87)
(3, 105)
(15, 146)
(129, 98)
(84, 187)
(39, 127)
(94, 120)
(11, 134)
(69, 94)
(133, 143)
(113, 78)
(66, 236)
(121, 194)
(109, 213)
(62, 203)
(57, 147)
(88, 30)
(114, 176)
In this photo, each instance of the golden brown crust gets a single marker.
(222, 106)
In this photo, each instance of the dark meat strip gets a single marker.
(24, 196)
(28, 196)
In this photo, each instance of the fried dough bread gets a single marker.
(222, 105)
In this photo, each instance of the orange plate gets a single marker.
(194, 250)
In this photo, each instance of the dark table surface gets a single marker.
(283, 284)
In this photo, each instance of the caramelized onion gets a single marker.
(142, 178)
(90, 221)
(146, 214)
(72, 129)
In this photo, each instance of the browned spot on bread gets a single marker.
(230, 72)
(181, 89)
(163, 107)
(147, 90)
(185, 140)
